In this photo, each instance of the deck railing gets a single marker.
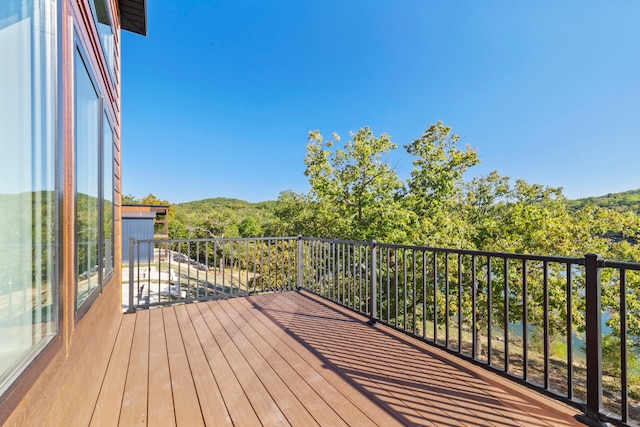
(536, 319)
(163, 272)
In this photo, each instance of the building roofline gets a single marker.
(146, 206)
(138, 215)
(133, 16)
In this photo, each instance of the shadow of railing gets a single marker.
(410, 381)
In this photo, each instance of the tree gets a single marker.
(435, 187)
(292, 217)
(355, 193)
(439, 167)
(151, 199)
(250, 227)
(486, 205)
(130, 199)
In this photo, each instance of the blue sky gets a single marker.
(219, 98)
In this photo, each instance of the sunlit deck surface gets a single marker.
(294, 359)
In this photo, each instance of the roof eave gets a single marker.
(133, 16)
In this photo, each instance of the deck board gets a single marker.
(134, 401)
(399, 373)
(107, 410)
(317, 408)
(161, 410)
(294, 359)
(370, 366)
(295, 412)
(262, 403)
(354, 408)
(238, 406)
(211, 401)
(185, 396)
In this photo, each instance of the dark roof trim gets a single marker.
(138, 215)
(146, 206)
(133, 16)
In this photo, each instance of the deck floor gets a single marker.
(294, 359)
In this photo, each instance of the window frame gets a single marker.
(104, 120)
(79, 52)
(106, 276)
(110, 63)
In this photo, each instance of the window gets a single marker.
(107, 200)
(87, 139)
(28, 187)
(94, 187)
(102, 18)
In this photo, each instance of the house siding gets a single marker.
(65, 378)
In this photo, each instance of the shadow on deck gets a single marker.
(292, 358)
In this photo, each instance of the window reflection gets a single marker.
(102, 19)
(28, 244)
(87, 115)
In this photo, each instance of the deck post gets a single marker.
(593, 335)
(300, 263)
(372, 282)
(132, 308)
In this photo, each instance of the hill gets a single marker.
(621, 202)
(220, 216)
(222, 203)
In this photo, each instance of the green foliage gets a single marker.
(438, 169)
(292, 214)
(435, 187)
(151, 199)
(221, 217)
(559, 349)
(250, 227)
(355, 193)
(628, 201)
(130, 199)
(611, 357)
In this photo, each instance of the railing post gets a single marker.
(593, 335)
(132, 308)
(300, 263)
(372, 282)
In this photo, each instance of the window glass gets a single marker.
(28, 191)
(102, 18)
(107, 201)
(87, 133)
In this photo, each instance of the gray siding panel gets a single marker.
(140, 229)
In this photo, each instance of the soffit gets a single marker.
(133, 16)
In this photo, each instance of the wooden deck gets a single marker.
(294, 359)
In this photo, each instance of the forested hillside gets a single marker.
(214, 218)
(221, 217)
(621, 202)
